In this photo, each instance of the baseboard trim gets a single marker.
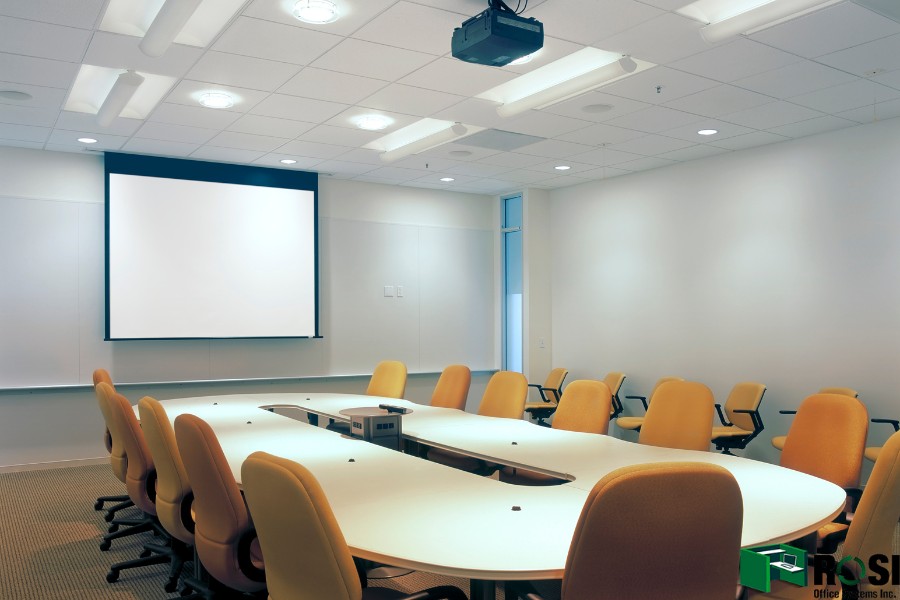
(57, 464)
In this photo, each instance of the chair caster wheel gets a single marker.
(98, 505)
(105, 545)
(112, 576)
(171, 585)
(145, 553)
(113, 528)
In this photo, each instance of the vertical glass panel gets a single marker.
(512, 284)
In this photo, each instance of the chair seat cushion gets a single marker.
(872, 452)
(734, 431)
(540, 406)
(630, 422)
(830, 529)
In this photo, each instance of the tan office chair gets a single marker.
(635, 423)
(625, 523)
(550, 392)
(117, 459)
(504, 397)
(388, 380)
(741, 421)
(778, 440)
(871, 452)
(871, 531)
(140, 481)
(584, 407)
(174, 496)
(614, 381)
(452, 388)
(306, 554)
(224, 536)
(680, 416)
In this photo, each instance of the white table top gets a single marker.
(405, 511)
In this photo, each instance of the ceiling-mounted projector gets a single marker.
(497, 36)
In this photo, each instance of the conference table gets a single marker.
(399, 509)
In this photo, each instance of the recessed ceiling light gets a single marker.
(460, 153)
(447, 179)
(562, 167)
(708, 131)
(596, 108)
(87, 140)
(318, 12)
(525, 59)
(287, 161)
(216, 100)
(15, 95)
(372, 122)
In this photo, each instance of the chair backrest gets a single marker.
(388, 380)
(114, 445)
(840, 391)
(614, 381)
(452, 388)
(679, 416)
(306, 555)
(689, 513)
(872, 529)
(223, 530)
(744, 396)
(584, 406)
(555, 378)
(504, 395)
(827, 439)
(173, 490)
(140, 474)
(661, 381)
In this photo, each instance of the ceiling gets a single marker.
(299, 86)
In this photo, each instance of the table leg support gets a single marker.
(480, 589)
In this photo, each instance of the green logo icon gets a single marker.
(762, 565)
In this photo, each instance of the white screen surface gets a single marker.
(198, 259)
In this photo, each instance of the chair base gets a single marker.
(153, 554)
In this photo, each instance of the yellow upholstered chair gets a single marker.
(778, 440)
(550, 392)
(740, 421)
(388, 380)
(306, 554)
(680, 416)
(614, 381)
(635, 423)
(642, 515)
(224, 536)
(584, 407)
(452, 388)
(117, 459)
(504, 397)
(871, 531)
(872, 452)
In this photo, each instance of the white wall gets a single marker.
(779, 264)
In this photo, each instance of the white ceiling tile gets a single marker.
(41, 97)
(795, 79)
(652, 145)
(513, 160)
(720, 100)
(275, 41)
(580, 107)
(477, 169)
(188, 93)
(549, 169)
(605, 173)
(247, 141)
(344, 168)
(880, 55)
(232, 155)
(655, 119)
(434, 180)
(71, 149)
(888, 78)
(78, 121)
(175, 133)
(13, 143)
(410, 100)
(689, 132)
(422, 162)
(647, 163)
(771, 115)
(542, 124)
(42, 40)
(72, 13)
(26, 115)
(658, 85)
(413, 27)
(37, 71)
(603, 157)
(363, 155)
(554, 149)
(460, 152)
(473, 111)
(750, 140)
(272, 126)
(693, 153)
(583, 22)
(312, 149)
(565, 181)
(24, 133)
(492, 186)
(194, 116)
(396, 174)
(525, 176)
(341, 136)
(331, 86)
(159, 147)
(601, 133)
(457, 77)
(872, 114)
(300, 109)
(122, 52)
(813, 126)
(735, 60)
(660, 40)
(61, 137)
(855, 94)
(242, 71)
(353, 14)
(274, 159)
(834, 28)
(359, 57)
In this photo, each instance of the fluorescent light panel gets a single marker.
(123, 90)
(728, 18)
(93, 84)
(418, 137)
(134, 17)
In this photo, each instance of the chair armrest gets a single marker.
(754, 416)
(722, 418)
(441, 592)
(788, 412)
(643, 400)
(893, 422)
(541, 390)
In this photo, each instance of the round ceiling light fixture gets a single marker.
(524, 59)
(317, 12)
(288, 161)
(15, 95)
(708, 132)
(87, 140)
(372, 122)
(216, 100)
(447, 179)
(562, 167)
